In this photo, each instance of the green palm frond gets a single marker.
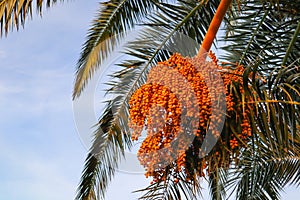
(271, 160)
(262, 31)
(87, 184)
(114, 19)
(217, 183)
(288, 170)
(278, 110)
(111, 139)
(256, 180)
(262, 176)
(170, 190)
(264, 37)
(14, 12)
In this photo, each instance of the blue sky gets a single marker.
(41, 152)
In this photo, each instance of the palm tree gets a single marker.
(260, 35)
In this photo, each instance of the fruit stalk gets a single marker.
(213, 28)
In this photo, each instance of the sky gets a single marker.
(42, 147)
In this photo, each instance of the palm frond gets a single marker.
(255, 180)
(271, 160)
(111, 139)
(114, 19)
(288, 169)
(13, 13)
(292, 44)
(217, 183)
(263, 176)
(171, 189)
(262, 31)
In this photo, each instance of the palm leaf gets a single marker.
(170, 190)
(264, 31)
(111, 139)
(262, 176)
(14, 12)
(112, 126)
(114, 19)
(263, 36)
(217, 183)
(256, 183)
(271, 160)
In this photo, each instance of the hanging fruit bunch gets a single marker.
(160, 104)
(180, 90)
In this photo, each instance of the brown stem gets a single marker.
(213, 28)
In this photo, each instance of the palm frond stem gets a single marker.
(293, 40)
(253, 36)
